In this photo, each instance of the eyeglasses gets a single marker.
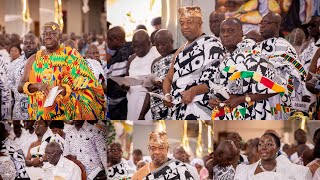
(52, 33)
(49, 154)
(94, 53)
(154, 148)
(114, 150)
(40, 125)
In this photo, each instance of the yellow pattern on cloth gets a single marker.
(66, 67)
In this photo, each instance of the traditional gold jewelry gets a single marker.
(26, 90)
(39, 94)
(248, 98)
(68, 90)
(216, 109)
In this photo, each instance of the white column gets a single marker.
(74, 17)
(13, 17)
(46, 12)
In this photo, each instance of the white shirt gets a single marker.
(96, 68)
(25, 140)
(65, 168)
(142, 65)
(88, 145)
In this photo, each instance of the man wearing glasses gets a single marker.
(161, 166)
(284, 58)
(81, 97)
(117, 168)
(59, 165)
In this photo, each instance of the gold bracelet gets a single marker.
(68, 90)
(26, 90)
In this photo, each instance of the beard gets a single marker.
(28, 54)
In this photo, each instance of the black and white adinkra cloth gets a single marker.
(5, 93)
(189, 67)
(173, 170)
(224, 173)
(120, 171)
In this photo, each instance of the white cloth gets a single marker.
(285, 170)
(121, 170)
(25, 140)
(7, 168)
(65, 168)
(88, 145)
(96, 68)
(316, 175)
(6, 99)
(139, 66)
(20, 109)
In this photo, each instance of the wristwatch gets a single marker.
(248, 98)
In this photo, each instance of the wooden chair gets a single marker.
(83, 169)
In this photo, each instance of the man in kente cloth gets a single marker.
(81, 97)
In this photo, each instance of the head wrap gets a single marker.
(189, 12)
(158, 138)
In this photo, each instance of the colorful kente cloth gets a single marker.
(284, 58)
(189, 67)
(66, 66)
(160, 69)
(172, 170)
(120, 171)
(243, 72)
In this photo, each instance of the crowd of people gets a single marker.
(52, 149)
(264, 157)
(226, 74)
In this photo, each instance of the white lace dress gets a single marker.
(7, 168)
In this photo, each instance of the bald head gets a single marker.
(164, 33)
(270, 25)
(215, 21)
(231, 33)
(116, 37)
(164, 42)
(180, 153)
(141, 43)
(116, 32)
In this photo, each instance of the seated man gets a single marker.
(117, 169)
(161, 166)
(59, 165)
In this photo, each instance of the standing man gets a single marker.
(16, 68)
(248, 79)
(161, 166)
(185, 86)
(215, 21)
(85, 143)
(82, 96)
(117, 56)
(140, 65)
(284, 58)
(5, 93)
(159, 67)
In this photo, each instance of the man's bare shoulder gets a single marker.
(143, 172)
(31, 59)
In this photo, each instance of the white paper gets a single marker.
(127, 81)
(302, 106)
(52, 96)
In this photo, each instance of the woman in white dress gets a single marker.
(314, 166)
(271, 166)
